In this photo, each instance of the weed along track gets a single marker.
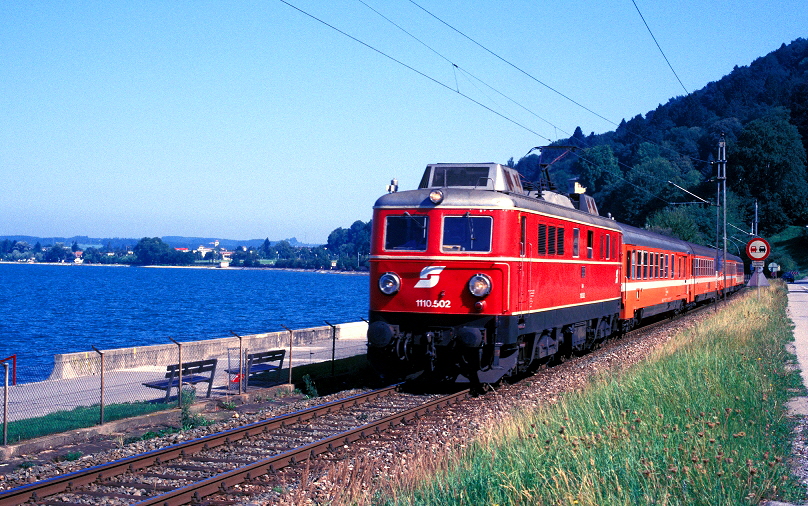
(220, 463)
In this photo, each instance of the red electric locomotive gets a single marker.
(475, 278)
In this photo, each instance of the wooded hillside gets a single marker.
(762, 109)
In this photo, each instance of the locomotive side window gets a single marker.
(608, 246)
(542, 239)
(523, 236)
(576, 237)
(467, 233)
(405, 233)
(590, 243)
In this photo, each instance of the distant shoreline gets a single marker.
(209, 267)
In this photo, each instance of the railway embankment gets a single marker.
(702, 419)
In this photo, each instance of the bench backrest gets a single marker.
(266, 356)
(189, 368)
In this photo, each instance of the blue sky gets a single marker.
(246, 120)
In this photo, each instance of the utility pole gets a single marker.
(721, 165)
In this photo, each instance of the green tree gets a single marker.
(153, 251)
(56, 253)
(266, 249)
(768, 165)
(675, 221)
(92, 256)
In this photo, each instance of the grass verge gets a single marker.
(78, 418)
(700, 422)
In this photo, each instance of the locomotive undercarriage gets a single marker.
(481, 350)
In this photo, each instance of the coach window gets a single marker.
(658, 269)
(630, 265)
(467, 233)
(405, 232)
(590, 243)
(542, 239)
(644, 265)
(576, 236)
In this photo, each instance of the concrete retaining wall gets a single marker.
(157, 357)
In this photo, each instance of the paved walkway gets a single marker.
(36, 399)
(798, 312)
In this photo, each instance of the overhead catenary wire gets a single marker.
(513, 65)
(415, 70)
(492, 88)
(457, 67)
(659, 47)
(532, 77)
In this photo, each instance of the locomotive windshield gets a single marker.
(405, 233)
(467, 233)
(460, 176)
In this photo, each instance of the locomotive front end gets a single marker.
(437, 283)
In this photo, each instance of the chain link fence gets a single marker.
(97, 386)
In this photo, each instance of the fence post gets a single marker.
(290, 352)
(5, 406)
(101, 422)
(179, 374)
(240, 362)
(333, 344)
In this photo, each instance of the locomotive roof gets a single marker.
(465, 198)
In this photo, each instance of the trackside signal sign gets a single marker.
(757, 249)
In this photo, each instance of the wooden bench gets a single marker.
(201, 371)
(261, 362)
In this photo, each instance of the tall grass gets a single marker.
(701, 422)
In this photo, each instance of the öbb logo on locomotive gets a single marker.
(429, 276)
(479, 276)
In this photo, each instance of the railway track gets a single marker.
(215, 464)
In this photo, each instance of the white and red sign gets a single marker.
(757, 249)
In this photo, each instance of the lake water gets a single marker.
(50, 309)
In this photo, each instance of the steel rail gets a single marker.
(63, 483)
(221, 482)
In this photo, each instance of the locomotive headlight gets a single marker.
(480, 285)
(436, 196)
(389, 283)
